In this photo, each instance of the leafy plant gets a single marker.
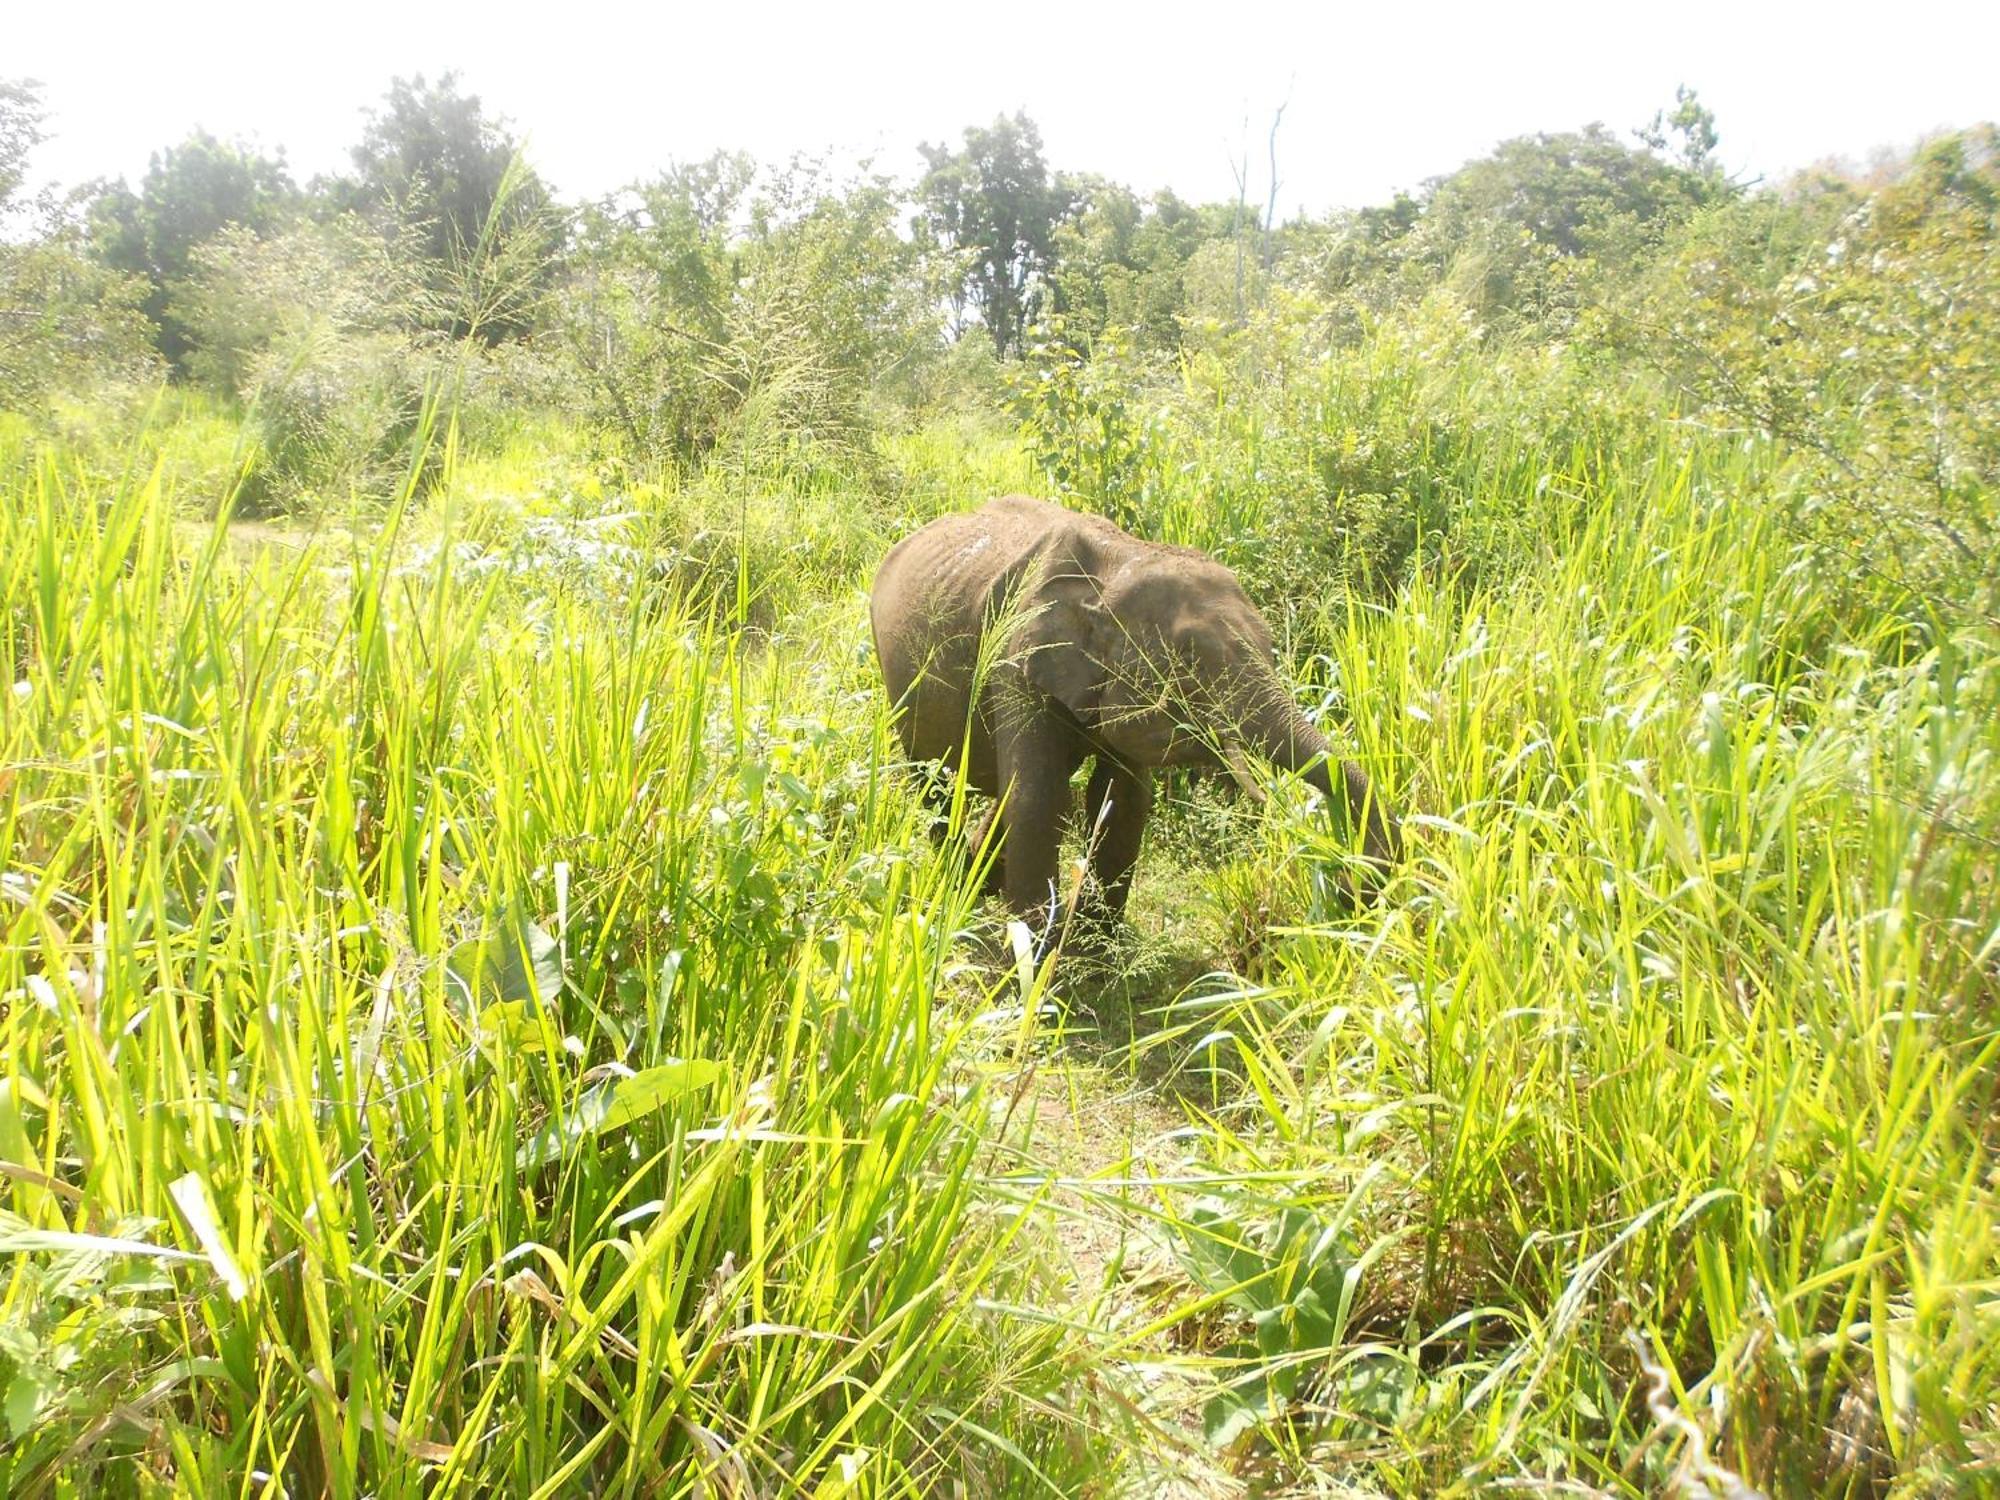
(1084, 424)
(1294, 1281)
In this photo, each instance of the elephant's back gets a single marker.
(929, 605)
(945, 569)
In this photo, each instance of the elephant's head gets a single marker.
(1163, 660)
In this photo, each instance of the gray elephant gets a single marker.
(1021, 640)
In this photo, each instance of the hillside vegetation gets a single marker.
(482, 1010)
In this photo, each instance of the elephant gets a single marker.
(1023, 639)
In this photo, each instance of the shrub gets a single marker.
(313, 330)
(758, 350)
(66, 323)
(1085, 420)
(332, 416)
(1861, 330)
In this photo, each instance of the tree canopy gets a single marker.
(993, 208)
(189, 194)
(434, 165)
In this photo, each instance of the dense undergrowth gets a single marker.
(484, 1012)
(519, 1000)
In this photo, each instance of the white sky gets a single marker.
(1383, 94)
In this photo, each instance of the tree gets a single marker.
(432, 162)
(1361, 256)
(699, 316)
(1527, 236)
(824, 253)
(21, 117)
(1121, 261)
(644, 307)
(1861, 330)
(1579, 193)
(64, 318)
(1527, 233)
(189, 194)
(992, 207)
(1094, 252)
(252, 303)
(1694, 123)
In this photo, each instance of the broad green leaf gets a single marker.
(27, 1393)
(515, 1025)
(650, 1089)
(616, 1103)
(1311, 1321)
(1233, 1413)
(521, 966)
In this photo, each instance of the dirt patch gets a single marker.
(1110, 1146)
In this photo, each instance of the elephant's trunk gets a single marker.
(1285, 737)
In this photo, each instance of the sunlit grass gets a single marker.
(483, 1015)
(471, 1029)
(1673, 1052)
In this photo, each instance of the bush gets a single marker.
(332, 416)
(66, 323)
(314, 330)
(1321, 472)
(1085, 419)
(758, 351)
(1862, 331)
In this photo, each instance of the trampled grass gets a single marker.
(482, 1015)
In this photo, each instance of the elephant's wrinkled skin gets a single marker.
(1084, 643)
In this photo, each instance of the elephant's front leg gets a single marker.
(1035, 767)
(1114, 832)
(975, 845)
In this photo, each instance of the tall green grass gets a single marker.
(1647, 1135)
(482, 1015)
(473, 1029)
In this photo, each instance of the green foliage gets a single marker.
(644, 304)
(253, 300)
(1316, 473)
(446, 181)
(827, 311)
(1860, 330)
(992, 209)
(1694, 123)
(756, 350)
(319, 331)
(76, 1310)
(328, 333)
(1582, 193)
(479, 1010)
(332, 422)
(21, 117)
(714, 1200)
(1637, 1049)
(190, 193)
(1292, 1279)
(1122, 262)
(1083, 422)
(1522, 237)
(65, 321)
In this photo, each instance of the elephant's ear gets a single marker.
(1060, 643)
